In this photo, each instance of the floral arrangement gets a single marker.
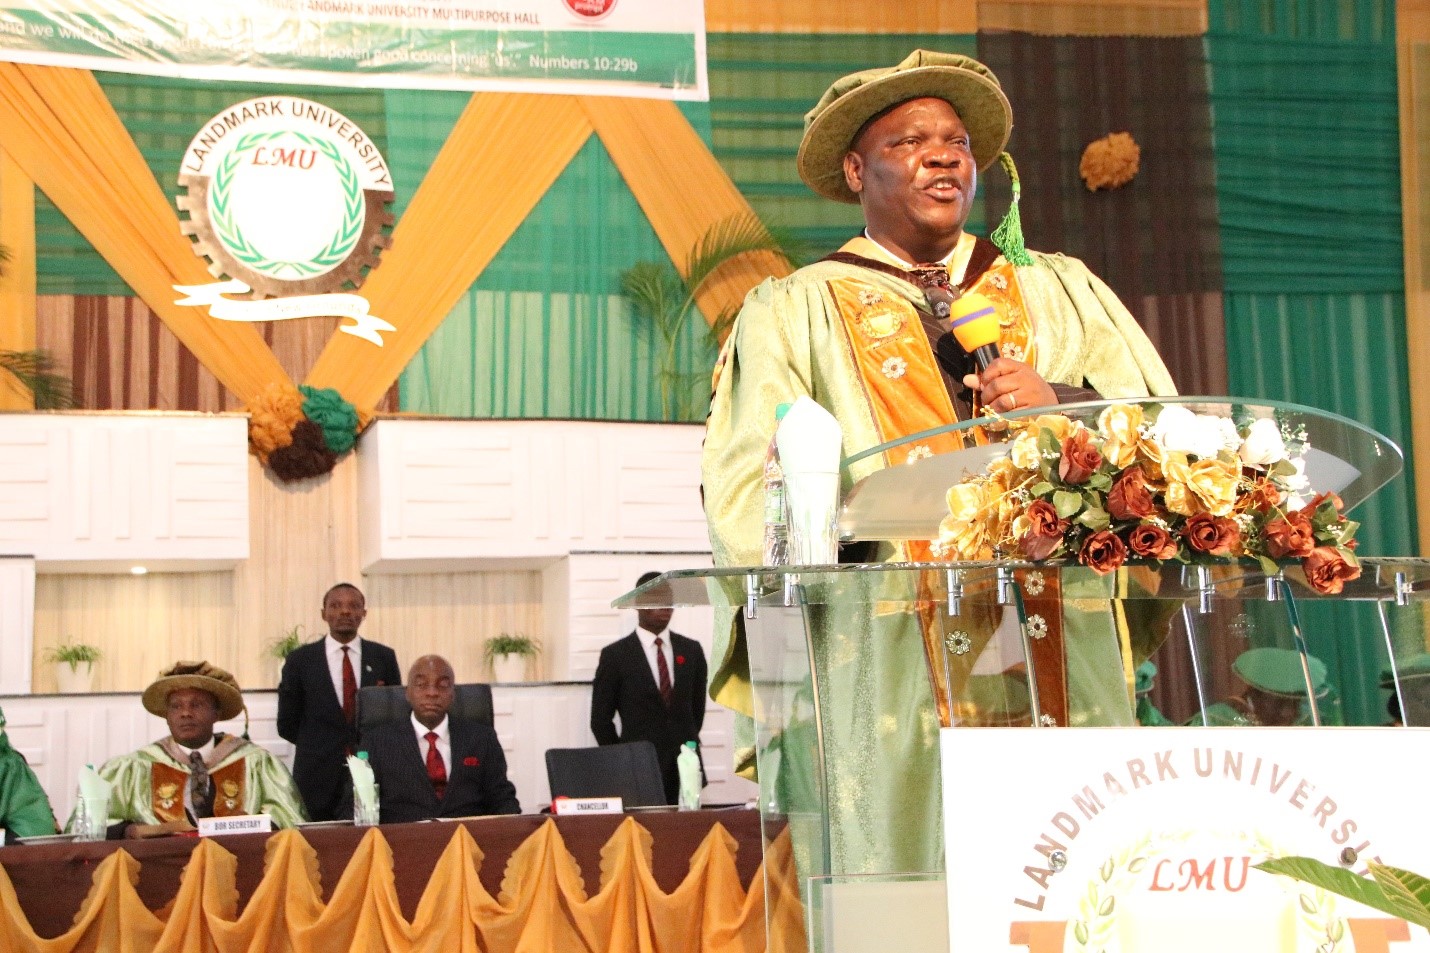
(1152, 484)
(1110, 162)
(299, 432)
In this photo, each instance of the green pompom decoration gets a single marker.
(337, 418)
(1008, 236)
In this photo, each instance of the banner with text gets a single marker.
(1120, 840)
(643, 48)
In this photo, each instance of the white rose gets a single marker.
(1226, 433)
(1263, 445)
(1175, 428)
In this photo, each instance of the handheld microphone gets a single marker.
(974, 322)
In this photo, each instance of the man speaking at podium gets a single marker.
(856, 332)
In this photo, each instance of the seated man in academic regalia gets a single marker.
(167, 786)
(24, 809)
(1275, 692)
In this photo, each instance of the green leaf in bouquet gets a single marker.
(1094, 519)
(1048, 444)
(1268, 565)
(1101, 480)
(1067, 503)
(1282, 468)
(1349, 556)
(1040, 489)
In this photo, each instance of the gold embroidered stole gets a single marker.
(229, 782)
(897, 368)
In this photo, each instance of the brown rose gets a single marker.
(1327, 570)
(1130, 498)
(1213, 535)
(1260, 497)
(1102, 552)
(1290, 538)
(1080, 458)
(1315, 504)
(1151, 541)
(1045, 530)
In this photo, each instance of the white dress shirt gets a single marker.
(956, 260)
(444, 742)
(334, 649)
(648, 644)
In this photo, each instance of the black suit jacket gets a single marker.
(310, 714)
(625, 685)
(476, 778)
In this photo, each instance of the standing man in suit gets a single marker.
(655, 681)
(429, 765)
(317, 699)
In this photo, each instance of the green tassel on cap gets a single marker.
(1008, 236)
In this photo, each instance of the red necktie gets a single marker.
(663, 671)
(349, 688)
(436, 770)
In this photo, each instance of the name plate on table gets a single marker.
(236, 824)
(565, 806)
(1129, 840)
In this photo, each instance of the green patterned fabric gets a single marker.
(1308, 186)
(163, 115)
(545, 331)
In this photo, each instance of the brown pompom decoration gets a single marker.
(307, 456)
(272, 417)
(1110, 162)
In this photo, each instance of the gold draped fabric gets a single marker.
(62, 131)
(542, 904)
(503, 154)
(17, 285)
(681, 188)
(1095, 17)
(847, 16)
(1412, 19)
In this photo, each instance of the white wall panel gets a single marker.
(17, 623)
(103, 492)
(473, 492)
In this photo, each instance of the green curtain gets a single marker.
(545, 332)
(163, 116)
(1308, 187)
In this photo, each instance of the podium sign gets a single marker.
(1130, 841)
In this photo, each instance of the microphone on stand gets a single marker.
(974, 322)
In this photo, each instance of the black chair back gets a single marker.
(380, 704)
(628, 771)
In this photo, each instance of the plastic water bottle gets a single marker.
(776, 543)
(687, 765)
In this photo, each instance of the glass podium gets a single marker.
(858, 672)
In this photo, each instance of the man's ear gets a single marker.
(854, 171)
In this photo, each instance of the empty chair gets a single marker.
(629, 771)
(380, 704)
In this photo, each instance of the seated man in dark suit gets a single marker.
(429, 766)
(655, 681)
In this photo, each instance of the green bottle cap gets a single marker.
(362, 755)
(781, 410)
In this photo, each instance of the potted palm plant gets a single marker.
(506, 657)
(276, 652)
(74, 666)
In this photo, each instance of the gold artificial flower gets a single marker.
(1215, 482)
(1118, 425)
(1024, 453)
(965, 530)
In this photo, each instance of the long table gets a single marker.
(52, 880)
